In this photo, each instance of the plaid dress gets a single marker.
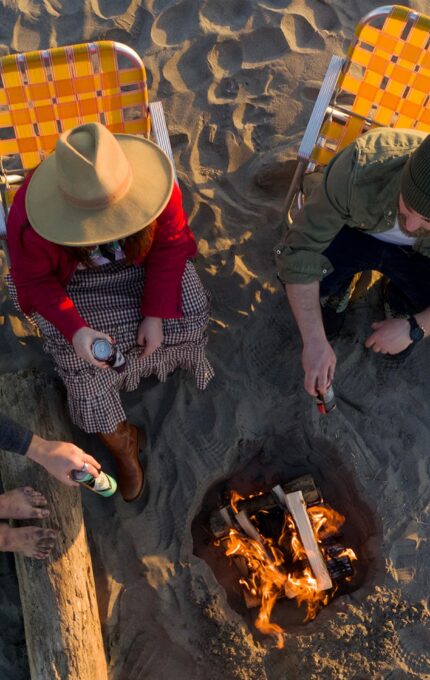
(108, 297)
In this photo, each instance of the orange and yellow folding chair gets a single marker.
(45, 92)
(384, 80)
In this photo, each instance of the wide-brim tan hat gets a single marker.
(98, 187)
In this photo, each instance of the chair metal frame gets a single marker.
(384, 81)
(44, 92)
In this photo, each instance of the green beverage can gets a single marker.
(103, 484)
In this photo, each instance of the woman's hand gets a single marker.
(82, 341)
(150, 335)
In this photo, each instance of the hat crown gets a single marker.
(91, 168)
(98, 187)
(415, 180)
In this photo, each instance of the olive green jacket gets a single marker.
(359, 188)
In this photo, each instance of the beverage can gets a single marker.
(103, 484)
(326, 402)
(103, 350)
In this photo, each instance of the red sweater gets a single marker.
(41, 269)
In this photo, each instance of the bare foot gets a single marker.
(23, 503)
(30, 541)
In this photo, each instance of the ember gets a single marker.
(285, 543)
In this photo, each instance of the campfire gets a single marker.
(285, 543)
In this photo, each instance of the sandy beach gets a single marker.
(238, 79)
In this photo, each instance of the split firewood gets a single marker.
(296, 506)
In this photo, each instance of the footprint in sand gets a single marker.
(189, 70)
(301, 35)
(26, 34)
(226, 58)
(226, 89)
(233, 14)
(257, 80)
(403, 555)
(176, 24)
(112, 8)
(325, 17)
(61, 8)
(211, 153)
(264, 44)
(414, 649)
(260, 356)
(205, 221)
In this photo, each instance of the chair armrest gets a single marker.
(3, 240)
(161, 133)
(2, 223)
(318, 112)
(5, 181)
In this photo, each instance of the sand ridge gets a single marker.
(238, 80)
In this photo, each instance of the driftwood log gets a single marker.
(61, 619)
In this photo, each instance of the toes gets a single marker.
(38, 501)
(40, 555)
(45, 534)
(29, 491)
(39, 514)
(44, 546)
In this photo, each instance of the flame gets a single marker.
(267, 577)
(235, 497)
(348, 552)
(234, 500)
(325, 521)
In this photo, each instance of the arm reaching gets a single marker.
(318, 357)
(60, 458)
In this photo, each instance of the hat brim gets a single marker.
(58, 221)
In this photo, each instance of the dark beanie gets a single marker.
(415, 180)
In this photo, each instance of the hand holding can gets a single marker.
(326, 402)
(103, 350)
(103, 484)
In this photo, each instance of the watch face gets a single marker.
(416, 334)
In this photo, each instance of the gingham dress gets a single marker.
(108, 298)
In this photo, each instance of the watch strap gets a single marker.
(416, 332)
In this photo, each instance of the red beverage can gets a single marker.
(326, 402)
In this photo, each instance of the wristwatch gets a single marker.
(416, 332)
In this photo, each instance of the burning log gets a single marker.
(339, 562)
(282, 542)
(223, 519)
(295, 504)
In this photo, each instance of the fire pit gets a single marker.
(285, 544)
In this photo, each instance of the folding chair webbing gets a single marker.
(387, 74)
(46, 92)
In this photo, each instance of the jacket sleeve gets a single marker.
(34, 262)
(299, 257)
(13, 437)
(165, 263)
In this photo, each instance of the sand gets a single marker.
(238, 79)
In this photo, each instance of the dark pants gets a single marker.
(354, 251)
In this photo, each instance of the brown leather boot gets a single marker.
(124, 446)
